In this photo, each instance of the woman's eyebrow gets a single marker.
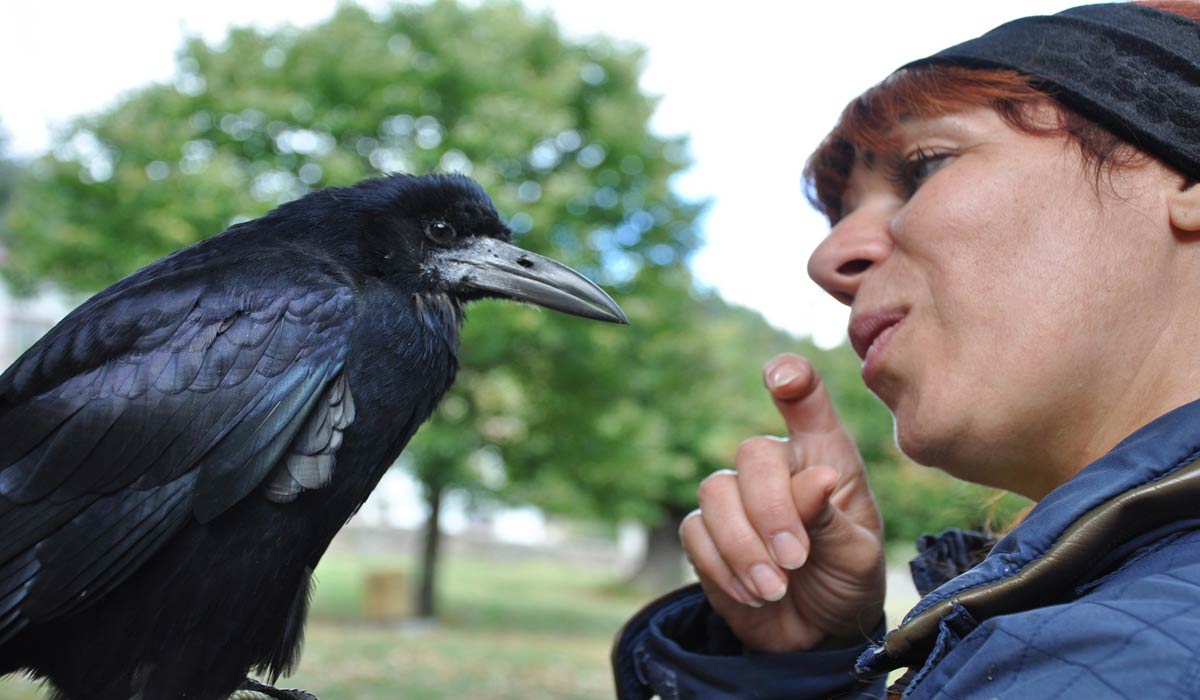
(955, 125)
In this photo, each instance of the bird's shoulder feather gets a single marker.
(171, 396)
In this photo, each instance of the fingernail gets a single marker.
(781, 375)
(745, 594)
(789, 552)
(770, 585)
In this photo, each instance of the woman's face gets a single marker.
(1007, 303)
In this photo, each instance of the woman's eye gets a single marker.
(439, 232)
(918, 167)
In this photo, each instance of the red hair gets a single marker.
(868, 123)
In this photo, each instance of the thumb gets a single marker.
(825, 523)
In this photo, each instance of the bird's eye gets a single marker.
(439, 232)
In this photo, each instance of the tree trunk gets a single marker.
(427, 590)
(662, 567)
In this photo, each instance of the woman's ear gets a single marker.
(1183, 206)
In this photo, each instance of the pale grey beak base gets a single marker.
(493, 266)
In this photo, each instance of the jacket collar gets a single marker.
(1148, 482)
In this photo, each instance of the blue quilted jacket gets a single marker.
(1095, 595)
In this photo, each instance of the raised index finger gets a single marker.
(814, 429)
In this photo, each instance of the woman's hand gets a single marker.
(789, 546)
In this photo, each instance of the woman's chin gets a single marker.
(935, 444)
(922, 447)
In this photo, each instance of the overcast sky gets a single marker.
(756, 84)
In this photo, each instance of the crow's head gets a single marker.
(442, 232)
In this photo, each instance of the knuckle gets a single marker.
(714, 484)
(756, 449)
(691, 520)
(775, 513)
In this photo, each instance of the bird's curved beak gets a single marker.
(501, 269)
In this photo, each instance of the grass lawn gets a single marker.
(527, 630)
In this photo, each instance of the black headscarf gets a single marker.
(1134, 70)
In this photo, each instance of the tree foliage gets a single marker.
(555, 131)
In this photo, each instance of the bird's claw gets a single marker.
(256, 690)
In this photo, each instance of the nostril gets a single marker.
(525, 262)
(854, 267)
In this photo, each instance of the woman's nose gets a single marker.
(857, 244)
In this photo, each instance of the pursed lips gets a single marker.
(866, 328)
